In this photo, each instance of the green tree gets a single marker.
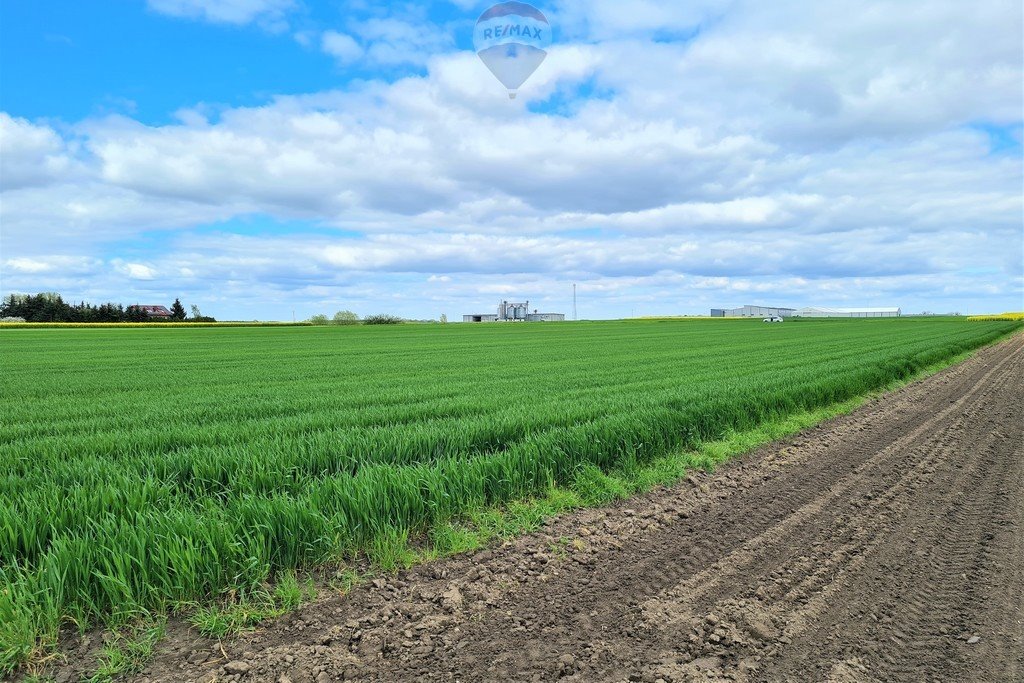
(345, 318)
(444, 319)
(135, 314)
(177, 310)
(382, 319)
(196, 312)
(318, 319)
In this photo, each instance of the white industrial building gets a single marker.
(752, 312)
(871, 312)
(807, 312)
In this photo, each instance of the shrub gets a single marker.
(318, 319)
(382, 319)
(345, 318)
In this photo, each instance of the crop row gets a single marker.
(144, 467)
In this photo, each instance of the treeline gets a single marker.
(50, 307)
(350, 318)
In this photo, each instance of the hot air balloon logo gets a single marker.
(510, 39)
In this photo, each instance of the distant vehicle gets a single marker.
(773, 319)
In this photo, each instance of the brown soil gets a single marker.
(885, 545)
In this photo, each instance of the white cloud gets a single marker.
(27, 265)
(387, 42)
(30, 154)
(270, 13)
(135, 271)
(781, 151)
(341, 46)
(613, 19)
(394, 41)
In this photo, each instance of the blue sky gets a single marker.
(72, 59)
(258, 157)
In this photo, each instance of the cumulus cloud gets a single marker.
(738, 147)
(135, 271)
(341, 46)
(393, 41)
(387, 41)
(30, 154)
(28, 265)
(614, 19)
(270, 13)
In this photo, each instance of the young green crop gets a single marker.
(142, 467)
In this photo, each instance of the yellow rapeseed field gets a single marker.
(153, 324)
(1019, 315)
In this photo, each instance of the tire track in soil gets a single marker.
(863, 549)
(798, 591)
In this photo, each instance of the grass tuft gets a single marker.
(129, 649)
(243, 612)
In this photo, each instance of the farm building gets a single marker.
(874, 312)
(752, 312)
(513, 312)
(154, 311)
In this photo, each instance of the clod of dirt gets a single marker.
(237, 667)
(760, 626)
(452, 598)
(566, 666)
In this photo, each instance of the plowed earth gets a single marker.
(886, 545)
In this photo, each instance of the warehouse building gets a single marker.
(513, 312)
(872, 312)
(752, 312)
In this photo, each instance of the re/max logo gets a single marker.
(512, 30)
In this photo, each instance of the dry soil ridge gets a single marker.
(874, 547)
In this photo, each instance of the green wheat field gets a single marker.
(142, 468)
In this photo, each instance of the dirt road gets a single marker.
(887, 545)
